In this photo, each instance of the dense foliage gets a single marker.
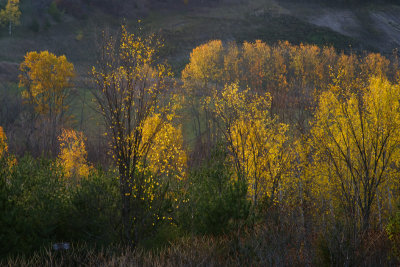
(263, 155)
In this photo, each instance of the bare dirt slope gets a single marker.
(373, 26)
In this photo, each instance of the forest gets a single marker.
(138, 151)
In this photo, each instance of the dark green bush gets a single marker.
(217, 204)
(38, 207)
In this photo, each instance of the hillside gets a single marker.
(183, 27)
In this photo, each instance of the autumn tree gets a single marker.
(356, 141)
(73, 155)
(255, 141)
(203, 73)
(133, 95)
(47, 80)
(10, 14)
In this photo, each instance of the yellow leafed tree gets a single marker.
(133, 94)
(73, 154)
(47, 80)
(10, 14)
(205, 63)
(255, 141)
(356, 138)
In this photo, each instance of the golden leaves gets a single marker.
(73, 154)
(3, 143)
(10, 160)
(46, 78)
(255, 141)
(162, 148)
(204, 62)
(355, 139)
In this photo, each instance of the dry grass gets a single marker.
(261, 246)
(188, 252)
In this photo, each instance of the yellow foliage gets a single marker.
(205, 64)
(10, 160)
(47, 79)
(255, 141)
(134, 98)
(3, 143)
(375, 65)
(73, 154)
(11, 13)
(162, 150)
(356, 142)
(295, 75)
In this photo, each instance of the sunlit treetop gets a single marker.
(73, 154)
(46, 79)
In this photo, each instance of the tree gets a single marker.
(203, 72)
(356, 137)
(133, 95)
(47, 82)
(73, 154)
(10, 14)
(255, 141)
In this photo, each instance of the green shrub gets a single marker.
(217, 204)
(38, 208)
(95, 213)
(38, 200)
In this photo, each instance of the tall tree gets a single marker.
(47, 80)
(10, 14)
(133, 94)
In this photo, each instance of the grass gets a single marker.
(188, 252)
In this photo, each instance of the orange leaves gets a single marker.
(73, 154)
(375, 65)
(205, 62)
(47, 79)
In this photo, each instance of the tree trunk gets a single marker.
(9, 28)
